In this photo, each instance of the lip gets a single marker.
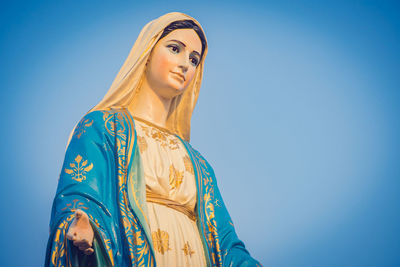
(180, 75)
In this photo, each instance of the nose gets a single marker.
(184, 67)
(184, 64)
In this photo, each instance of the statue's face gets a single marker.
(173, 62)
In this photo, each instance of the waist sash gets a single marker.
(156, 198)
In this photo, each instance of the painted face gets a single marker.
(173, 62)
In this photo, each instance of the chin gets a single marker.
(178, 91)
(171, 91)
(176, 88)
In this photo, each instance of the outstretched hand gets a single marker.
(81, 232)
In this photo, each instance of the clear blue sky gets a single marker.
(298, 115)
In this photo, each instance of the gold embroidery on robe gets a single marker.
(173, 144)
(162, 137)
(81, 127)
(188, 164)
(74, 206)
(79, 170)
(145, 129)
(187, 249)
(161, 241)
(142, 143)
(159, 136)
(175, 177)
(95, 221)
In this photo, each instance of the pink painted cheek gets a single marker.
(189, 76)
(164, 65)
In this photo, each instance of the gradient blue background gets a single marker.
(298, 114)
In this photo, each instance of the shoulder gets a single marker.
(93, 120)
(100, 117)
(197, 156)
(99, 122)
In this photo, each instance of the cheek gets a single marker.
(190, 76)
(164, 63)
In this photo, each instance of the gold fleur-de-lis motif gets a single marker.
(79, 170)
(187, 249)
(175, 177)
(81, 127)
(188, 164)
(161, 241)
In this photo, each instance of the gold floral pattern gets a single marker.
(161, 241)
(175, 177)
(79, 170)
(173, 143)
(162, 136)
(142, 143)
(187, 249)
(110, 122)
(188, 164)
(81, 127)
(159, 136)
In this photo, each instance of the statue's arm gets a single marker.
(233, 249)
(85, 184)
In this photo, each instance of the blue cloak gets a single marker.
(102, 176)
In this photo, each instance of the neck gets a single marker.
(150, 106)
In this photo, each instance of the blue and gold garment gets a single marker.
(102, 175)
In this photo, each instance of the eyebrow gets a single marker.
(194, 51)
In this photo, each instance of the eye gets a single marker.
(194, 61)
(174, 48)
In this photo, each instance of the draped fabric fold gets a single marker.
(102, 176)
(151, 197)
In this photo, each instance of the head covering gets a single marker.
(128, 80)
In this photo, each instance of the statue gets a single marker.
(132, 190)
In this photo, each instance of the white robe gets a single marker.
(169, 174)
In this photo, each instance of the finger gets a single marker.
(89, 251)
(87, 242)
(82, 242)
(79, 243)
(84, 246)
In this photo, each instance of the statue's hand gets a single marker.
(81, 232)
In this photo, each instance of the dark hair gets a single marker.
(186, 24)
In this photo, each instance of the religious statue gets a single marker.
(132, 190)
